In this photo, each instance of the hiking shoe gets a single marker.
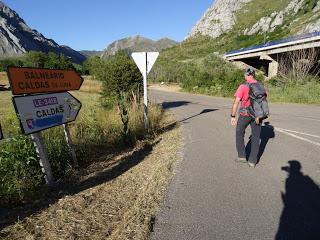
(240, 160)
(251, 164)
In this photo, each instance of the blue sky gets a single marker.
(93, 24)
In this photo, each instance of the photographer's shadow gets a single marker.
(301, 213)
(267, 133)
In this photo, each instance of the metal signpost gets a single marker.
(43, 157)
(38, 112)
(1, 134)
(145, 62)
(70, 145)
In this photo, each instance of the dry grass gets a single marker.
(166, 87)
(91, 86)
(121, 207)
(3, 78)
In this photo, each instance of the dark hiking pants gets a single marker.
(243, 123)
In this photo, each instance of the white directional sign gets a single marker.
(145, 61)
(39, 112)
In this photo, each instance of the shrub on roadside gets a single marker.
(286, 89)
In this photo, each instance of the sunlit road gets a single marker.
(212, 197)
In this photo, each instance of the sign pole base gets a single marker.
(43, 158)
(70, 145)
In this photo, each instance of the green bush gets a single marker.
(20, 172)
(210, 75)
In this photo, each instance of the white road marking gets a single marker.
(306, 134)
(310, 119)
(298, 137)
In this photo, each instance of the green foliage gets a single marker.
(93, 66)
(282, 91)
(210, 74)
(8, 62)
(121, 79)
(119, 74)
(38, 59)
(46, 60)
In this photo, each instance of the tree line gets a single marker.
(38, 59)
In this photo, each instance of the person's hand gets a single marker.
(233, 121)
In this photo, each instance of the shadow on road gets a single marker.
(174, 124)
(300, 218)
(196, 115)
(169, 105)
(267, 133)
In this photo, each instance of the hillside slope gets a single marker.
(232, 24)
(197, 63)
(17, 38)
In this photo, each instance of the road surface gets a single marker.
(213, 197)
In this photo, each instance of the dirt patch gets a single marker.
(166, 87)
(116, 198)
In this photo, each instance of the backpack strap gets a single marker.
(245, 109)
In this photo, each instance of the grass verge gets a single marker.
(120, 198)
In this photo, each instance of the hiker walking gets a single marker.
(253, 110)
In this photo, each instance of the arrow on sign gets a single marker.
(39, 112)
(145, 61)
(39, 80)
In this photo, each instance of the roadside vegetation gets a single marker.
(111, 120)
(116, 197)
(123, 171)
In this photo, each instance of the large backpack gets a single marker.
(258, 108)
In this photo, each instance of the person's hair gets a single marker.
(249, 71)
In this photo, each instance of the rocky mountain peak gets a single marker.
(218, 19)
(16, 38)
(301, 15)
(137, 43)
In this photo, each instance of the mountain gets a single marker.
(90, 53)
(17, 38)
(251, 17)
(136, 44)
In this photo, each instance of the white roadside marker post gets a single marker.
(43, 157)
(145, 62)
(70, 145)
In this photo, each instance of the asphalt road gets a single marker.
(213, 197)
